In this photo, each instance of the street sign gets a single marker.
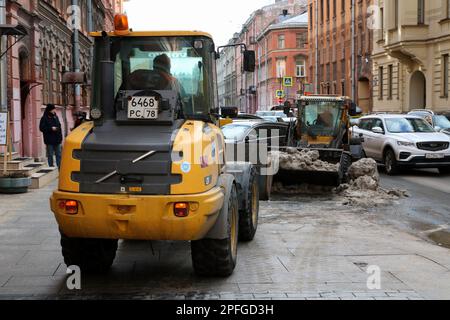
(288, 81)
(3, 128)
(279, 94)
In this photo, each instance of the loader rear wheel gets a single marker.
(248, 218)
(91, 255)
(212, 257)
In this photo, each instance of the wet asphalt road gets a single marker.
(427, 211)
(306, 248)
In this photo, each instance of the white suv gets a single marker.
(403, 141)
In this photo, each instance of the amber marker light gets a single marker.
(71, 207)
(181, 209)
(121, 26)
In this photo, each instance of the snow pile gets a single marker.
(362, 190)
(364, 187)
(304, 160)
(364, 175)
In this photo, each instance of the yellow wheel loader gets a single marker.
(151, 163)
(322, 126)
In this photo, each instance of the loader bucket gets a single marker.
(290, 177)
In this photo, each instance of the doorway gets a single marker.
(364, 95)
(417, 91)
(26, 129)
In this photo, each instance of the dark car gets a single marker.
(440, 123)
(447, 115)
(251, 141)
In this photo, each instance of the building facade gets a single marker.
(282, 52)
(36, 63)
(411, 55)
(340, 41)
(244, 86)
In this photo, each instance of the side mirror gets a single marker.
(377, 130)
(74, 78)
(249, 61)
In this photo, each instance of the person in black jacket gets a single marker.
(51, 128)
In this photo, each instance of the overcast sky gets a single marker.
(220, 18)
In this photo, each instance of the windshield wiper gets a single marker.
(109, 175)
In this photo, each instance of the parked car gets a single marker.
(248, 116)
(439, 122)
(272, 116)
(400, 141)
(251, 136)
(447, 115)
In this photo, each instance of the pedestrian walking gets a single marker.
(51, 128)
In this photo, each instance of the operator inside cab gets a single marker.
(162, 65)
(177, 70)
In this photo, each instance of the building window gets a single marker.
(328, 10)
(301, 40)
(396, 14)
(380, 83)
(281, 41)
(390, 78)
(311, 16)
(300, 67)
(420, 11)
(281, 67)
(448, 9)
(321, 11)
(445, 75)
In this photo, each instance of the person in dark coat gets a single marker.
(51, 128)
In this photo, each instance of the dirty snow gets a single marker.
(304, 160)
(362, 190)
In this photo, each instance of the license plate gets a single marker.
(143, 108)
(435, 156)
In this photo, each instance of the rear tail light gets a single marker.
(181, 209)
(69, 206)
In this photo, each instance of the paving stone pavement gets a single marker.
(305, 249)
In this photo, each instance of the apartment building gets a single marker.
(340, 42)
(411, 55)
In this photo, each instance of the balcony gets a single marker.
(407, 44)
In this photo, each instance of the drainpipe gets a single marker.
(89, 14)
(316, 78)
(3, 67)
(76, 58)
(353, 78)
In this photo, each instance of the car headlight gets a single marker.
(406, 144)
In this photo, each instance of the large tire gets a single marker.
(91, 255)
(212, 257)
(248, 217)
(390, 163)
